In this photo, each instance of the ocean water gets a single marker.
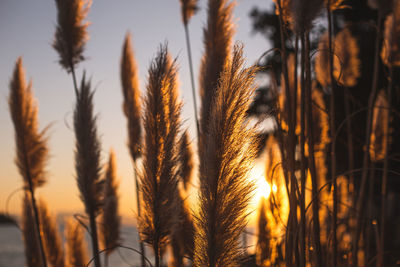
(12, 248)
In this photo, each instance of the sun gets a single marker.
(262, 187)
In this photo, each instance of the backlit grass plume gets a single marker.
(71, 35)
(322, 61)
(263, 251)
(29, 234)
(130, 90)
(87, 158)
(188, 9)
(229, 150)
(159, 179)
(346, 62)
(390, 52)
(52, 238)
(380, 130)
(217, 40)
(110, 223)
(75, 246)
(31, 145)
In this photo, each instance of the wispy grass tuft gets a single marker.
(188, 9)
(71, 34)
(229, 150)
(159, 175)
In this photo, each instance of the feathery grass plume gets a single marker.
(217, 46)
(110, 226)
(346, 69)
(320, 120)
(52, 238)
(31, 144)
(227, 156)
(380, 130)
(303, 13)
(31, 245)
(159, 175)
(76, 248)
(71, 35)
(188, 9)
(390, 52)
(322, 61)
(185, 160)
(130, 90)
(263, 237)
(87, 153)
(87, 159)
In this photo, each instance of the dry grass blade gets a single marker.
(71, 35)
(159, 175)
(217, 46)
(130, 90)
(346, 61)
(188, 9)
(87, 153)
(110, 227)
(225, 160)
(32, 250)
(31, 145)
(76, 248)
(52, 238)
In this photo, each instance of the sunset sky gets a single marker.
(27, 29)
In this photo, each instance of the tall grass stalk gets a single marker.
(361, 196)
(31, 146)
(189, 8)
(75, 245)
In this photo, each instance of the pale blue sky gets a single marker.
(27, 29)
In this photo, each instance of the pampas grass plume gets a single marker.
(52, 238)
(322, 61)
(71, 34)
(225, 161)
(31, 144)
(159, 175)
(76, 247)
(130, 90)
(380, 130)
(111, 221)
(217, 40)
(188, 9)
(87, 153)
(346, 69)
